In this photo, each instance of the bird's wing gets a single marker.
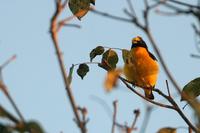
(152, 56)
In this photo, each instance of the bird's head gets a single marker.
(138, 42)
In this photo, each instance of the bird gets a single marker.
(141, 67)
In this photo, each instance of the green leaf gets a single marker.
(110, 59)
(82, 70)
(5, 129)
(96, 51)
(125, 54)
(31, 126)
(191, 90)
(70, 73)
(2, 113)
(167, 130)
(80, 7)
(35, 127)
(92, 1)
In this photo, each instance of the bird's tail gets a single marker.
(148, 93)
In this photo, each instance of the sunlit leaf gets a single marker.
(191, 90)
(80, 7)
(125, 54)
(167, 130)
(111, 79)
(110, 59)
(82, 70)
(96, 51)
(70, 74)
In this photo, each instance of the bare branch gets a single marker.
(168, 88)
(143, 97)
(8, 61)
(137, 113)
(176, 108)
(111, 16)
(195, 56)
(114, 116)
(9, 115)
(170, 100)
(4, 89)
(64, 22)
(73, 25)
(54, 28)
(130, 5)
(184, 4)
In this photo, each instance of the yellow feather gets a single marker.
(141, 69)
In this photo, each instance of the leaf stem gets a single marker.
(112, 48)
(91, 63)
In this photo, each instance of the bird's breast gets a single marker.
(141, 68)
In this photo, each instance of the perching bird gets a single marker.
(141, 67)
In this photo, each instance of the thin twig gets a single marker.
(91, 63)
(107, 109)
(137, 113)
(168, 88)
(8, 61)
(4, 89)
(64, 22)
(113, 48)
(84, 112)
(176, 108)
(73, 25)
(147, 31)
(184, 4)
(179, 10)
(54, 35)
(164, 13)
(130, 5)
(111, 16)
(143, 97)
(7, 94)
(195, 56)
(8, 115)
(114, 116)
(162, 61)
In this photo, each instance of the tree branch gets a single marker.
(147, 31)
(176, 108)
(114, 116)
(111, 16)
(4, 89)
(143, 97)
(54, 29)
(8, 115)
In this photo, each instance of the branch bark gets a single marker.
(54, 29)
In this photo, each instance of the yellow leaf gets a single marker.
(111, 79)
(167, 130)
